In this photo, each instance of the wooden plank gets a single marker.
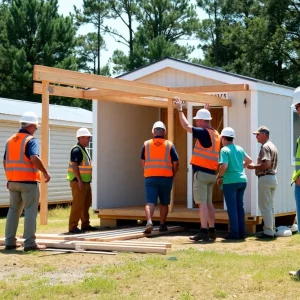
(44, 153)
(126, 248)
(113, 236)
(73, 245)
(96, 81)
(60, 251)
(211, 88)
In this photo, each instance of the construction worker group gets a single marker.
(211, 165)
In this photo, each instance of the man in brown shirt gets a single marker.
(265, 170)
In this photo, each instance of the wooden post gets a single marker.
(44, 152)
(171, 138)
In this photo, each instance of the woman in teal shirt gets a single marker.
(232, 178)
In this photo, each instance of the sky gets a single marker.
(66, 6)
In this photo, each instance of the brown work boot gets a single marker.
(201, 235)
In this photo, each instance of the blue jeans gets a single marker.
(234, 194)
(297, 198)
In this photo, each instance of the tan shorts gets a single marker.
(203, 187)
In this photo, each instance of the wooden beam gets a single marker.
(45, 152)
(55, 90)
(100, 82)
(80, 93)
(212, 88)
(134, 100)
(104, 92)
(74, 74)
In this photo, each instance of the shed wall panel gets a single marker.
(274, 112)
(122, 130)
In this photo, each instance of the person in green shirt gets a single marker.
(233, 180)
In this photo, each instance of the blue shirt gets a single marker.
(173, 152)
(203, 136)
(32, 147)
(233, 156)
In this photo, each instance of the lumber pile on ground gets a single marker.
(106, 242)
(110, 235)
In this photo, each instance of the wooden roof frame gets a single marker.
(58, 82)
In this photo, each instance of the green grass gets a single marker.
(58, 219)
(215, 273)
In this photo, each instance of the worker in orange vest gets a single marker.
(205, 164)
(160, 162)
(22, 168)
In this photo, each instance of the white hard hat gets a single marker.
(203, 114)
(83, 132)
(296, 97)
(158, 124)
(30, 118)
(228, 131)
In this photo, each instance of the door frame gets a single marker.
(190, 107)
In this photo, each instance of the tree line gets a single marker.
(254, 38)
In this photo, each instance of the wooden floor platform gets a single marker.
(109, 217)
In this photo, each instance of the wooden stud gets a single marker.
(45, 152)
(171, 138)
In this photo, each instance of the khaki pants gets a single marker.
(203, 187)
(266, 191)
(82, 200)
(22, 196)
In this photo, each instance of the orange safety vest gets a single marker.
(157, 158)
(18, 166)
(207, 157)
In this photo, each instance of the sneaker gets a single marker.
(12, 247)
(90, 228)
(212, 234)
(149, 227)
(200, 236)
(35, 248)
(162, 228)
(76, 230)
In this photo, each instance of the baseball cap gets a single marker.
(262, 129)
